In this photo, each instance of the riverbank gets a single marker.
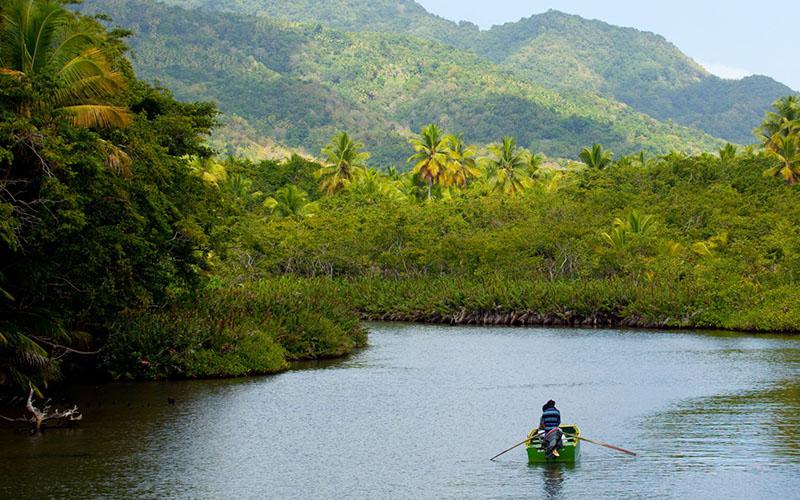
(590, 303)
(255, 328)
(262, 326)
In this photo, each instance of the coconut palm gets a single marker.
(39, 40)
(344, 156)
(550, 180)
(431, 156)
(463, 165)
(508, 167)
(211, 171)
(596, 157)
(288, 201)
(728, 153)
(633, 224)
(534, 164)
(785, 118)
(370, 183)
(617, 237)
(785, 149)
(637, 223)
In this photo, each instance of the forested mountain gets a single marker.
(641, 69)
(561, 52)
(395, 16)
(299, 84)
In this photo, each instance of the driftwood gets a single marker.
(38, 417)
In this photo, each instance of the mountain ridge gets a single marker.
(298, 84)
(644, 89)
(286, 81)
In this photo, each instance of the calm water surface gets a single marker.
(419, 412)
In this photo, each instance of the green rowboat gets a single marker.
(570, 453)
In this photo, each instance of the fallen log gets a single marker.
(38, 417)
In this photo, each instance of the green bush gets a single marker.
(254, 328)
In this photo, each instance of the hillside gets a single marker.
(394, 16)
(561, 52)
(299, 84)
(641, 69)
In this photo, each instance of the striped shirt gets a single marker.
(551, 418)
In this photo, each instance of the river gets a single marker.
(419, 412)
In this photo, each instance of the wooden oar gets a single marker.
(518, 444)
(611, 446)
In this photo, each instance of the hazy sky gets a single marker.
(731, 38)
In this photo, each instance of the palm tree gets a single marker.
(534, 164)
(508, 165)
(780, 132)
(239, 186)
(208, 169)
(344, 155)
(783, 120)
(24, 360)
(288, 201)
(550, 180)
(637, 223)
(38, 39)
(728, 153)
(634, 224)
(597, 157)
(617, 238)
(463, 165)
(431, 156)
(370, 183)
(785, 149)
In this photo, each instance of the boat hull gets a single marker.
(570, 453)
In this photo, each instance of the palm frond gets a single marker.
(116, 159)
(71, 46)
(12, 73)
(90, 88)
(43, 28)
(27, 352)
(99, 116)
(37, 39)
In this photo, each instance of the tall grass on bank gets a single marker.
(232, 331)
(261, 326)
(613, 302)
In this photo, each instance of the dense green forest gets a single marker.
(129, 249)
(299, 84)
(563, 53)
(102, 214)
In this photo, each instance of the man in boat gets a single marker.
(551, 438)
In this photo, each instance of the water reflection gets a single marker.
(762, 424)
(553, 476)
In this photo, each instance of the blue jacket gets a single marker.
(551, 418)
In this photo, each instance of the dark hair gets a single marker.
(549, 404)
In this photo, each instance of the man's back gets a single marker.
(551, 417)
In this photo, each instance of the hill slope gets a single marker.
(298, 84)
(641, 69)
(559, 51)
